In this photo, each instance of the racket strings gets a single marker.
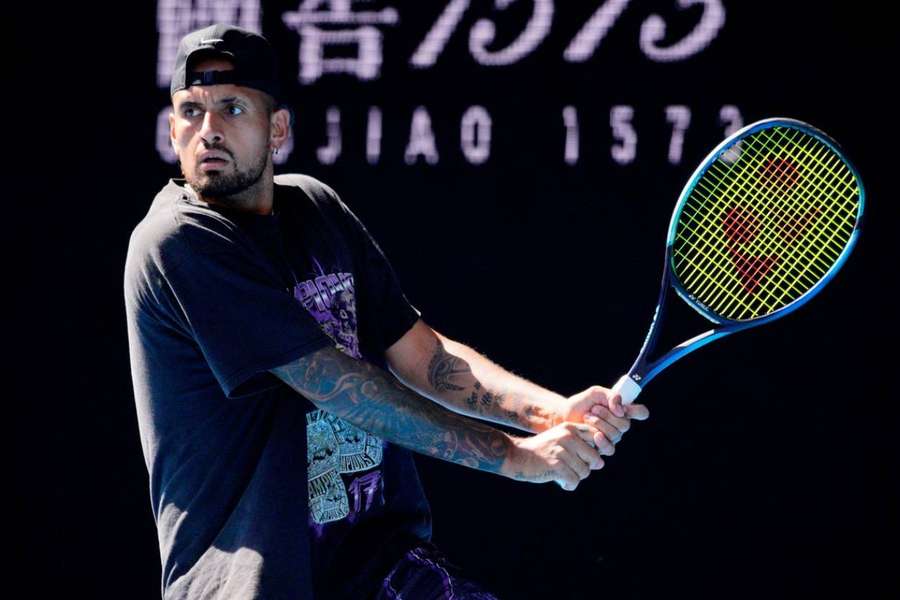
(766, 261)
(817, 257)
(751, 268)
(787, 240)
(783, 217)
(740, 261)
(750, 276)
(764, 223)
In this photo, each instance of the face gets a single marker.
(223, 135)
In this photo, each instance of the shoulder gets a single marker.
(175, 227)
(307, 183)
(322, 194)
(155, 236)
(323, 197)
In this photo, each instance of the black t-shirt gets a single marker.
(257, 493)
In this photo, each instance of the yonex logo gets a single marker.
(742, 227)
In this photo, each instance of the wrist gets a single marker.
(550, 413)
(510, 466)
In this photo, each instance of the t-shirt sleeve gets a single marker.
(239, 314)
(382, 300)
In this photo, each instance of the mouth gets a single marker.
(210, 154)
(211, 164)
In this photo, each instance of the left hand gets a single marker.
(599, 407)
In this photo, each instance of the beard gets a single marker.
(215, 184)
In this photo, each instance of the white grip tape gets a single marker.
(627, 388)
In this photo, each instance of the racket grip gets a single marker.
(627, 388)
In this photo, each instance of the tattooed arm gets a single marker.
(371, 399)
(459, 378)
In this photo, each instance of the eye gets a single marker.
(234, 109)
(189, 111)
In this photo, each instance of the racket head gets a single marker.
(764, 223)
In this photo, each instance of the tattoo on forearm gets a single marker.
(367, 397)
(523, 477)
(472, 400)
(489, 399)
(450, 373)
(442, 367)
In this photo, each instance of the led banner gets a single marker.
(377, 76)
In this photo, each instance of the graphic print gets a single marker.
(334, 446)
(331, 301)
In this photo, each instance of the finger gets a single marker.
(622, 424)
(615, 405)
(610, 434)
(603, 444)
(577, 465)
(566, 477)
(637, 411)
(583, 448)
(587, 433)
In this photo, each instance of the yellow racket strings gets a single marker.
(753, 265)
(765, 223)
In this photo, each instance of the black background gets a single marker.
(769, 463)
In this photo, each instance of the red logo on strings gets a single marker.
(779, 172)
(740, 227)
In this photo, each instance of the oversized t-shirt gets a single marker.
(257, 493)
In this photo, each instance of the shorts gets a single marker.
(424, 573)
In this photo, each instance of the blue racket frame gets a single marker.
(641, 372)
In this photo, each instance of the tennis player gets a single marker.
(281, 376)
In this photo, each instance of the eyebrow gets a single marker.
(229, 100)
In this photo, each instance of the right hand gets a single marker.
(565, 454)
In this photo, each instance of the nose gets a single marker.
(211, 128)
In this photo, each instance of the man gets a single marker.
(281, 376)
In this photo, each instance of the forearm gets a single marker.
(467, 382)
(376, 402)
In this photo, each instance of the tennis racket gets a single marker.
(766, 220)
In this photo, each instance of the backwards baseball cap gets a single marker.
(254, 61)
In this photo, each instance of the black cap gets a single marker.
(255, 64)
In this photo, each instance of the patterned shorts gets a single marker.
(424, 573)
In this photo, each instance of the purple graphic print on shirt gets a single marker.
(330, 299)
(334, 446)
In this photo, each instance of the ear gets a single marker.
(280, 127)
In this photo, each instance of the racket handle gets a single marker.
(627, 388)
